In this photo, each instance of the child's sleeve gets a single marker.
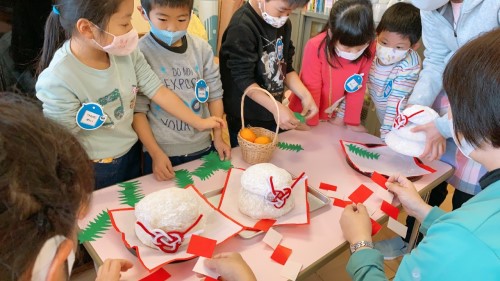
(142, 103)
(240, 48)
(147, 80)
(311, 75)
(402, 86)
(211, 73)
(59, 101)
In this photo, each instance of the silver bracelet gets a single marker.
(354, 247)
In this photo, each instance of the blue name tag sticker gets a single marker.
(201, 91)
(279, 48)
(388, 89)
(353, 83)
(90, 116)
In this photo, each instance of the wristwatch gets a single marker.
(354, 247)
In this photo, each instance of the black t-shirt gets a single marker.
(253, 51)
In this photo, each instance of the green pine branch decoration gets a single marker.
(183, 178)
(362, 152)
(96, 228)
(130, 193)
(290, 146)
(211, 164)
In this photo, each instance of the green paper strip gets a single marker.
(131, 193)
(290, 146)
(96, 228)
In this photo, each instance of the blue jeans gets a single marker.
(121, 169)
(175, 160)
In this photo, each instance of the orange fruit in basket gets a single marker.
(248, 134)
(263, 140)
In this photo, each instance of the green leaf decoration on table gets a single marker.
(299, 116)
(183, 178)
(96, 228)
(211, 164)
(290, 146)
(362, 152)
(130, 193)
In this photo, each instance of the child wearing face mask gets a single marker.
(90, 74)
(337, 61)
(395, 69)
(256, 53)
(185, 64)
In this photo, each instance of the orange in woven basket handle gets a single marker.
(275, 103)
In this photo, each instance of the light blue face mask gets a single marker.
(465, 147)
(169, 37)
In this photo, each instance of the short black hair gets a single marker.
(147, 5)
(402, 18)
(471, 80)
(296, 3)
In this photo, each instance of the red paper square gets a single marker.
(264, 224)
(327, 186)
(201, 246)
(379, 179)
(208, 278)
(390, 210)
(281, 254)
(341, 203)
(360, 194)
(159, 275)
(376, 227)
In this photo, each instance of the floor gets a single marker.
(334, 270)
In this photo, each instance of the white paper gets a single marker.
(272, 238)
(291, 270)
(200, 268)
(397, 227)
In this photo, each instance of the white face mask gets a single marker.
(46, 257)
(273, 21)
(429, 5)
(465, 147)
(121, 45)
(350, 56)
(388, 55)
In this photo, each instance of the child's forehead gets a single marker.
(281, 4)
(393, 35)
(169, 9)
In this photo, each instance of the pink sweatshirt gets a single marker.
(315, 74)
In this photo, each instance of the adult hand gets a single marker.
(406, 193)
(435, 144)
(111, 268)
(162, 167)
(355, 223)
(309, 107)
(287, 120)
(231, 267)
(222, 148)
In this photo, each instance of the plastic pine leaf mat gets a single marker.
(211, 164)
(362, 152)
(96, 228)
(183, 178)
(130, 193)
(290, 146)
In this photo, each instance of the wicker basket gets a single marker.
(254, 153)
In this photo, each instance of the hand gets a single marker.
(287, 120)
(309, 107)
(435, 144)
(162, 167)
(360, 128)
(355, 224)
(406, 193)
(209, 123)
(231, 267)
(111, 268)
(337, 121)
(222, 148)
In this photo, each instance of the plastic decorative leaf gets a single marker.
(96, 228)
(299, 116)
(183, 178)
(290, 146)
(362, 152)
(211, 163)
(130, 193)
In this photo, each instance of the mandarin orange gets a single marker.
(263, 140)
(248, 134)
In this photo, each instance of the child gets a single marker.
(185, 64)
(337, 61)
(91, 83)
(256, 52)
(397, 65)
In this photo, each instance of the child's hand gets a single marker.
(231, 267)
(222, 148)
(337, 121)
(162, 167)
(111, 268)
(287, 120)
(360, 128)
(209, 123)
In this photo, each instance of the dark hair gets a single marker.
(46, 179)
(63, 18)
(296, 3)
(471, 80)
(351, 24)
(404, 19)
(147, 5)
